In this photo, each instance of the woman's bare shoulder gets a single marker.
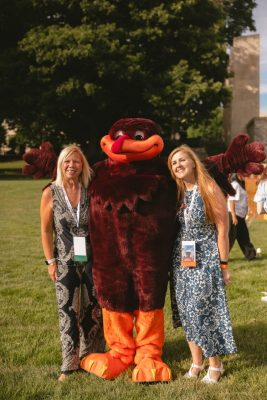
(47, 194)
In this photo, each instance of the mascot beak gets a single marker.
(117, 145)
(125, 149)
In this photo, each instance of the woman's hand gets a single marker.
(235, 220)
(52, 271)
(226, 276)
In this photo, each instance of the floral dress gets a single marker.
(197, 294)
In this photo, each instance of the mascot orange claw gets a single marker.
(132, 227)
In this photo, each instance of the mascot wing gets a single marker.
(40, 162)
(240, 157)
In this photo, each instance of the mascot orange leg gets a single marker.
(118, 332)
(149, 342)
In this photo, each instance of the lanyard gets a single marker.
(188, 210)
(77, 216)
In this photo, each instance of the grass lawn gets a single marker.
(12, 170)
(11, 164)
(29, 343)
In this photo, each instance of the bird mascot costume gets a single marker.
(132, 227)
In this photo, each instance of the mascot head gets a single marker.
(132, 139)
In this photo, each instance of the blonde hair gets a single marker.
(87, 172)
(205, 182)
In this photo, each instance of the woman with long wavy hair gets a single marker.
(197, 287)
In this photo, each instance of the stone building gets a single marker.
(245, 105)
(257, 129)
(243, 113)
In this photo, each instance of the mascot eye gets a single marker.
(118, 134)
(139, 135)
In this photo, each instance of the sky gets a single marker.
(260, 17)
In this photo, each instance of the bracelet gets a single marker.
(224, 265)
(51, 261)
(223, 262)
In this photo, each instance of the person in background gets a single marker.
(198, 295)
(261, 199)
(64, 233)
(261, 193)
(238, 209)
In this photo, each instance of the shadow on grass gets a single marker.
(176, 349)
(251, 343)
(15, 174)
(14, 177)
(12, 174)
(244, 260)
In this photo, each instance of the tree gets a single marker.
(84, 64)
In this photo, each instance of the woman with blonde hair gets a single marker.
(64, 233)
(197, 287)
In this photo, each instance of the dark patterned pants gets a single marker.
(80, 316)
(240, 233)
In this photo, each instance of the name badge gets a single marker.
(80, 254)
(188, 258)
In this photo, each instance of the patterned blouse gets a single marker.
(65, 226)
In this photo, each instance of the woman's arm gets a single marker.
(46, 214)
(222, 225)
(232, 209)
(260, 207)
(259, 197)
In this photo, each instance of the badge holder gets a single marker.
(188, 258)
(80, 254)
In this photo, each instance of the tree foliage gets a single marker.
(71, 68)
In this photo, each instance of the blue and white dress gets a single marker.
(197, 294)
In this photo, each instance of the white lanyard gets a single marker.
(77, 216)
(188, 210)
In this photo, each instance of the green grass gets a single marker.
(29, 342)
(11, 164)
(12, 170)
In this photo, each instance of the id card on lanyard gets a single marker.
(188, 258)
(79, 242)
(188, 247)
(79, 245)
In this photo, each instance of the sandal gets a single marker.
(207, 379)
(63, 376)
(190, 375)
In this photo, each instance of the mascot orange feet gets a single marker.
(104, 365)
(149, 342)
(144, 350)
(150, 370)
(118, 332)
